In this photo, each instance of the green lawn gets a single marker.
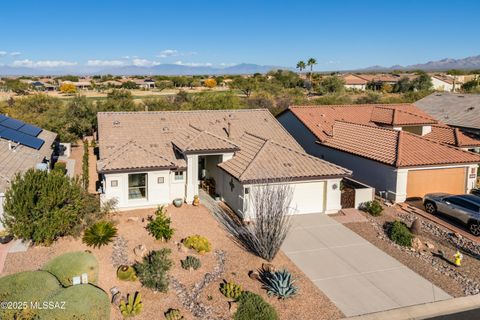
(71, 264)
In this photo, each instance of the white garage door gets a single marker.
(308, 197)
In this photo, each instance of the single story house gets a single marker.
(444, 83)
(171, 154)
(398, 149)
(145, 83)
(457, 110)
(22, 146)
(353, 81)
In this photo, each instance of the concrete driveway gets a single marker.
(357, 276)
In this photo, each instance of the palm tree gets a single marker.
(311, 62)
(301, 65)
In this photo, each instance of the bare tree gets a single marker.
(269, 206)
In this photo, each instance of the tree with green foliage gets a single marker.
(80, 116)
(422, 82)
(153, 270)
(331, 84)
(42, 206)
(163, 84)
(310, 63)
(403, 85)
(85, 165)
(245, 85)
(472, 86)
(15, 85)
(129, 85)
(301, 65)
(213, 101)
(117, 100)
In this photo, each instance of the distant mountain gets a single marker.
(468, 63)
(162, 69)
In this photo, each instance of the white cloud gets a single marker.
(129, 57)
(105, 63)
(193, 64)
(225, 64)
(15, 53)
(3, 53)
(43, 63)
(168, 53)
(144, 63)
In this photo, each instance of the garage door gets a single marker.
(420, 182)
(308, 197)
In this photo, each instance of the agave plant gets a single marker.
(99, 234)
(278, 283)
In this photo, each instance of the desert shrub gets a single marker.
(253, 307)
(159, 227)
(43, 206)
(152, 271)
(198, 243)
(278, 283)
(191, 262)
(126, 273)
(270, 220)
(173, 314)
(69, 265)
(132, 306)
(230, 290)
(373, 207)
(60, 167)
(99, 234)
(83, 302)
(400, 234)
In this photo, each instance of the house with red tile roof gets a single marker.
(151, 158)
(353, 81)
(398, 149)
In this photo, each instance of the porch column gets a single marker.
(192, 178)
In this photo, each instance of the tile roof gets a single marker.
(460, 110)
(150, 143)
(23, 157)
(352, 79)
(254, 163)
(194, 139)
(320, 119)
(451, 136)
(393, 147)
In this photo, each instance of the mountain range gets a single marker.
(468, 63)
(162, 69)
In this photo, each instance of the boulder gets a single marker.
(416, 227)
(417, 244)
(140, 251)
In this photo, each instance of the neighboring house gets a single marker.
(353, 81)
(444, 83)
(22, 146)
(379, 80)
(457, 110)
(43, 86)
(81, 85)
(145, 83)
(168, 155)
(398, 149)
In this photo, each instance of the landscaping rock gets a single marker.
(416, 227)
(429, 245)
(268, 267)
(132, 219)
(417, 244)
(255, 275)
(119, 252)
(140, 251)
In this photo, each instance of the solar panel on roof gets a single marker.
(21, 138)
(2, 117)
(30, 130)
(12, 123)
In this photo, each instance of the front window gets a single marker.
(179, 175)
(137, 186)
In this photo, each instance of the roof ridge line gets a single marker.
(253, 159)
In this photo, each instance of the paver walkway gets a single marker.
(357, 276)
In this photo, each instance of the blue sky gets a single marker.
(340, 34)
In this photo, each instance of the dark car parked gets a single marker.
(464, 208)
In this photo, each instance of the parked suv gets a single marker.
(464, 208)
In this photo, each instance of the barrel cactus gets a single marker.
(173, 314)
(126, 273)
(230, 290)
